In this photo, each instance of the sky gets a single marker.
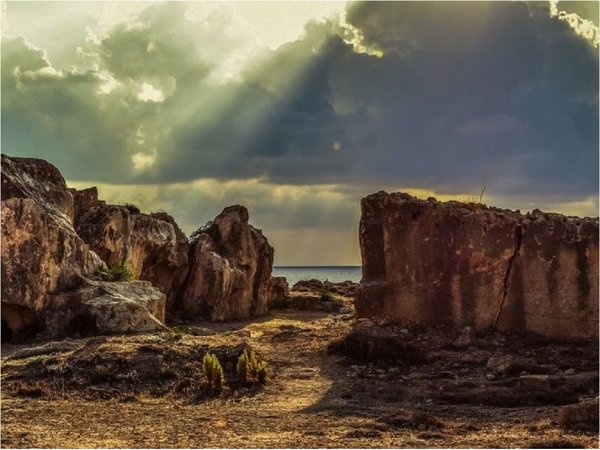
(297, 110)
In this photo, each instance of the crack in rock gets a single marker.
(517, 249)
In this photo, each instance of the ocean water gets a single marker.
(335, 274)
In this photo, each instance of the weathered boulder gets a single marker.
(41, 252)
(230, 269)
(101, 307)
(471, 265)
(55, 239)
(152, 244)
(277, 290)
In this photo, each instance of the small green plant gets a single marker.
(122, 272)
(242, 367)
(119, 272)
(249, 369)
(213, 372)
(103, 273)
(261, 373)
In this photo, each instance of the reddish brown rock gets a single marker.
(230, 269)
(54, 240)
(152, 244)
(83, 201)
(277, 289)
(471, 265)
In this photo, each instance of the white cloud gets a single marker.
(582, 27)
(142, 161)
(109, 84)
(149, 93)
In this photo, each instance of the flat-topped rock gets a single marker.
(472, 265)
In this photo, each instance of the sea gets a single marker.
(335, 274)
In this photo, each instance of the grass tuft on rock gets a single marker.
(119, 272)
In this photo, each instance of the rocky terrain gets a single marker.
(474, 328)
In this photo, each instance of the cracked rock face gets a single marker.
(41, 253)
(44, 259)
(470, 265)
(230, 269)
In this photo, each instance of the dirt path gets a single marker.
(310, 401)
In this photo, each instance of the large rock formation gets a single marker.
(55, 239)
(152, 244)
(41, 252)
(471, 265)
(230, 269)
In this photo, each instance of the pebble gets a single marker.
(569, 372)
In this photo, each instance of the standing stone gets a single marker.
(472, 265)
(230, 269)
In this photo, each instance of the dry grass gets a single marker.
(310, 400)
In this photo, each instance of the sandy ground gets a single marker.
(312, 400)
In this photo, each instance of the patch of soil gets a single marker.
(117, 367)
(314, 398)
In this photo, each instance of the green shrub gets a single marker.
(213, 372)
(249, 369)
(122, 272)
(119, 272)
(103, 273)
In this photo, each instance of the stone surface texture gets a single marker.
(471, 265)
(230, 269)
(55, 240)
(102, 307)
(152, 244)
(41, 252)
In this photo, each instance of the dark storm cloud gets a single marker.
(465, 94)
